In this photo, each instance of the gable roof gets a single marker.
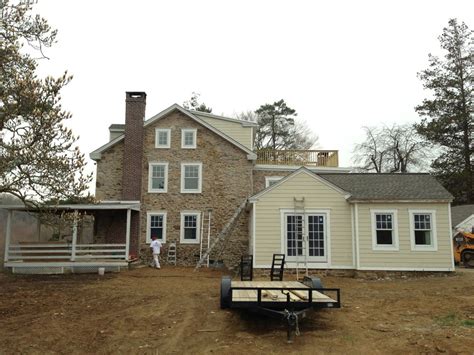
(96, 154)
(397, 187)
(375, 187)
(301, 170)
(460, 214)
(223, 118)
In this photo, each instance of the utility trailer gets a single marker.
(286, 300)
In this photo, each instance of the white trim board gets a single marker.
(291, 168)
(390, 268)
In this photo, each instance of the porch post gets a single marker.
(127, 234)
(8, 234)
(74, 237)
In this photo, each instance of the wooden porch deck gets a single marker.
(312, 158)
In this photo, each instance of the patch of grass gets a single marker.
(447, 320)
(348, 338)
(452, 319)
(468, 322)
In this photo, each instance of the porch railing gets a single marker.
(323, 158)
(65, 252)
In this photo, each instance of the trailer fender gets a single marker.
(313, 282)
(225, 292)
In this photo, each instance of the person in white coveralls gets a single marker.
(155, 247)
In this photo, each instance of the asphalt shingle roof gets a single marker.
(389, 186)
(460, 213)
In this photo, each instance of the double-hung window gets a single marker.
(162, 138)
(190, 221)
(191, 177)
(423, 230)
(188, 138)
(156, 226)
(384, 230)
(157, 177)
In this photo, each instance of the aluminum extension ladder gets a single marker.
(205, 235)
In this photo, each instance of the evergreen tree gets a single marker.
(38, 158)
(275, 124)
(448, 114)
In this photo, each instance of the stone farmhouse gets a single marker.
(198, 181)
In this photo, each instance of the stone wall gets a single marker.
(226, 183)
(109, 174)
(259, 178)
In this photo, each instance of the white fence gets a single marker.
(65, 252)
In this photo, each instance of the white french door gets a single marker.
(306, 237)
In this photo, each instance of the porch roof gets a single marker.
(103, 205)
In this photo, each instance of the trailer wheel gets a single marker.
(468, 259)
(313, 282)
(225, 292)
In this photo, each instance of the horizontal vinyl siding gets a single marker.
(235, 130)
(268, 228)
(405, 257)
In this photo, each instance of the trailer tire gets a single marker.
(225, 292)
(313, 282)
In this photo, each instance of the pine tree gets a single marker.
(448, 114)
(275, 124)
(38, 158)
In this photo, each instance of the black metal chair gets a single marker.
(278, 263)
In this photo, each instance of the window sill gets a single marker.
(187, 241)
(191, 191)
(424, 248)
(385, 248)
(188, 147)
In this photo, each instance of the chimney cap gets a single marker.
(135, 95)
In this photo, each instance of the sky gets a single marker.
(341, 65)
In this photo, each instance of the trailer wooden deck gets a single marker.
(276, 291)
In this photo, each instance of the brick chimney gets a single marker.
(135, 103)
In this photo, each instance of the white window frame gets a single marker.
(269, 179)
(198, 227)
(148, 225)
(157, 132)
(191, 191)
(150, 172)
(183, 134)
(434, 239)
(395, 242)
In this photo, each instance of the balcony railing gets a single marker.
(323, 158)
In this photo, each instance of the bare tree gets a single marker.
(194, 104)
(392, 149)
(302, 136)
(298, 135)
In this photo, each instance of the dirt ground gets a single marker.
(174, 311)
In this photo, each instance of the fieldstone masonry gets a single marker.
(226, 182)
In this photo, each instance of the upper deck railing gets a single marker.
(323, 158)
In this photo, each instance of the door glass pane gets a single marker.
(316, 235)
(294, 237)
